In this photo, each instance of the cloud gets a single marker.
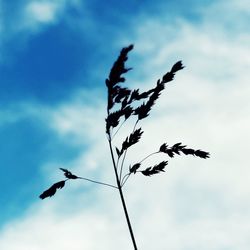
(41, 12)
(196, 204)
(76, 118)
(38, 13)
(50, 232)
(28, 18)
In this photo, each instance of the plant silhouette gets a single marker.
(68, 174)
(122, 104)
(52, 190)
(59, 185)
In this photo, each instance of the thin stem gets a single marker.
(135, 125)
(126, 151)
(128, 175)
(113, 136)
(149, 156)
(98, 182)
(124, 156)
(124, 179)
(121, 195)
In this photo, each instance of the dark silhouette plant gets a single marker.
(122, 104)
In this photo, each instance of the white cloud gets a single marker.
(76, 119)
(29, 19)
(43, 12)
(196, 204)
(36, 15)
(43, 230)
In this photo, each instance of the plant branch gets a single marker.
(125, 178)
(128, 175)
(124, 156)
(122, 163)
(121, 194)
(149, 156)
(113, 136)
(97, 182)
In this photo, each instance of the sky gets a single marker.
(54, 58)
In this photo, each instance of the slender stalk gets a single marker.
(121, 195)
(125, 177)
(124, 156)
(113, 136)
(149, 156)
(126, 152)
(97, 182)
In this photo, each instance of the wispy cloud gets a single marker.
(41, 12)
(29, 18)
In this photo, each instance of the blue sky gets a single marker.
(49, 64)
(54, 58)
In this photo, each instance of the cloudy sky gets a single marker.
(54, 58)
